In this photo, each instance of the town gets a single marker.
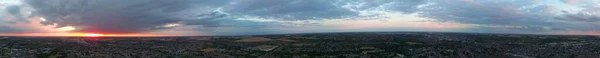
(309, 45)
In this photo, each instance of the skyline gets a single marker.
(245, 17)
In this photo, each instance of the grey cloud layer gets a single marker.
(582, 16)
(491, 12)
(586, 19)
(315, 9)
(130, 16)
(501, 12)
(590, 12)
(110, 16)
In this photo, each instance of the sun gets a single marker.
(93, 35)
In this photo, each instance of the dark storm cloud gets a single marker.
(110, 16)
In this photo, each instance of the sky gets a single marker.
(255, 17)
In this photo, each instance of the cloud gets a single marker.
(582, 16)
(289, 9)
(273, 16)
(6, 29)
(15, 14)
(13, 10)
(316, 9)
(585, 18)
(492, 15)
(119, 16)
(110, 16)
(496, 12)
(590, 11)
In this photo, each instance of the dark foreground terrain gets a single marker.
(322, 45)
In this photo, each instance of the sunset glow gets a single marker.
(87, 35)
(93, 35)
(113, 35)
